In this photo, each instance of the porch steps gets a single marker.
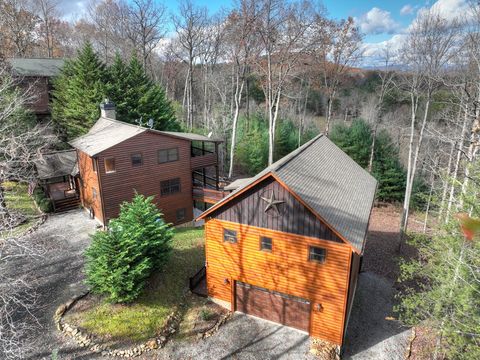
(66, 204)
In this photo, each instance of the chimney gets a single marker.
(107, 109)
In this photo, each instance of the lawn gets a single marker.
(143, 319)
(17, 199)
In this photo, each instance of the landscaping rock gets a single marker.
(152, 344)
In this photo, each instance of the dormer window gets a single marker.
(110, 165)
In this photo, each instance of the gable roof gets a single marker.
(55, 164)
(329, 182)
(37, 66)
(106, 133)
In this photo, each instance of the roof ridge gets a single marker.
(123, 123)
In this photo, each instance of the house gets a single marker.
(38, 75)
(116, 159)
(286, 245)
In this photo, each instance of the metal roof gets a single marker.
(56, 164)
(106, 133)
(36, 67)
(189, 136)
(237, 183)
(330, 182)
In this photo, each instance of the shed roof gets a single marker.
(330, 182)
(106, 133)
(56, 164)
(37, 66)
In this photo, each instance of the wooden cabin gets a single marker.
(116, 159)
(287, 244)
(37, 75)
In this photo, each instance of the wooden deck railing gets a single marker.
(206, 195)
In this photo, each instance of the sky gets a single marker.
(384, 23)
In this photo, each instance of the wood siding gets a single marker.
(354, 270)
(121, 185)
(286, 269)
(248, 208)
(88, 180)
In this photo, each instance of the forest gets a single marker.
(266, 76)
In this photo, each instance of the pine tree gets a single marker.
(120, 260)
(136, 96)
(78, 92)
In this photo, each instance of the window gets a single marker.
(110, 165)
(168, 187)
(317, 254)
(94, 164)
(167, 155)
(181, 214)
(94, 193)
(229, 236)
(265, 243)
(137, 159)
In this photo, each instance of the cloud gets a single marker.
(449, 9)
(72, 10)
(407, 10)
(377, 21)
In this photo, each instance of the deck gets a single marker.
(209, 196)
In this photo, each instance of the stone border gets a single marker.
(87, 340)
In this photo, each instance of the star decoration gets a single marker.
(272, 203)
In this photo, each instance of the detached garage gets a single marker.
(286, 245)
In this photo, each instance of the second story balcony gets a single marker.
(203, 154)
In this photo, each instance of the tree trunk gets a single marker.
(329, 113)
(238, 100)
(457, 165)
(372, 148)
(446, 182)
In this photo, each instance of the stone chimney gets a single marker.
(107, 109)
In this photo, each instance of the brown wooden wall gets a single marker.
(248, 208)
(286, 269)
(354, 270)
(145, 179)
(198, 162)
(89, 179)
(39, 89)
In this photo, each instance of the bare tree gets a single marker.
(240, 43)
(19, 146)
(147, 26)
(189, 26)
(17, 25)
(284, 30)
(47, 11)
(427, 51)
(338, 48)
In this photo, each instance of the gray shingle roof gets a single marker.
(106, 133)
(60, 163)
(37, 67)
(328, 181)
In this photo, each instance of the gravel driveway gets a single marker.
(57, 276)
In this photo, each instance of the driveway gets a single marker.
(57, 276)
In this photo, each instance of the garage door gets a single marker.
(271, 305)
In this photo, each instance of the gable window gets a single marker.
(94, 164)
(181, 214)
(137, 159)
(265, 243)
(94, 193)
(167, 155)
(229, 236)
(168, 187)
(110, 165)
(317, 254)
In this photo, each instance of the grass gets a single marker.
(17, 199)
(145, 318)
